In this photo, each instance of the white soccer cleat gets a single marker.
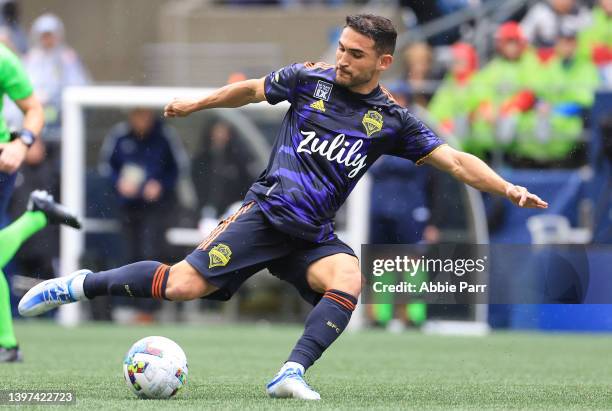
(289, 383)
(52, 293)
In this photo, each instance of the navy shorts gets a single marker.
(246, 243)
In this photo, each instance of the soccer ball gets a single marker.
(155, 367)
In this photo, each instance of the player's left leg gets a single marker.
(338, 279)
(236, 249)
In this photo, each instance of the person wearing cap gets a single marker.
(566, 86)
(502, 93)
(52, 66)
(448, 106)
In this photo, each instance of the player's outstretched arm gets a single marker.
(233, 95)
(475, 172)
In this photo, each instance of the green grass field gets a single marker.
(230, 365)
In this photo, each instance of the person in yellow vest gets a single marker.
(566, 86)
(448, 106)
(502, 93)
(595, 42)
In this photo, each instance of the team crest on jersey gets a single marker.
(219, 256)
(372, 122)
(318, 105)
(323, 90)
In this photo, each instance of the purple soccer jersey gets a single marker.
(328, 139)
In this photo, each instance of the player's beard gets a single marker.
(350, 80)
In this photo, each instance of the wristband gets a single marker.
(26, 136)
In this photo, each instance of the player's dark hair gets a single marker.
(380, 29)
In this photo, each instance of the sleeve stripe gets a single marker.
(421, 160)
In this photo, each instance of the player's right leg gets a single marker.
(238, 248)
(144, 279)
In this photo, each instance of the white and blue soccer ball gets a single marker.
(155, 367)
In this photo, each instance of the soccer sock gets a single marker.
(417, 312)
(13, 235)
(144, 279)
(323, 325)
(7, 335)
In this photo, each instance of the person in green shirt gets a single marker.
(566, 89)
(42, 209)
(448, 107)
(502, 94)
(595, 41)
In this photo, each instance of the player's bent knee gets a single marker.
(348, 280)
(338, 272)
(186, 283)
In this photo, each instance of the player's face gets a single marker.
(357, 61)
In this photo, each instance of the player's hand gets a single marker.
(523, 198)
(179, 108)
(12, 155)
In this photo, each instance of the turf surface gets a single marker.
(230, 365)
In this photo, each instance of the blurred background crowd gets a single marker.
(525, 85)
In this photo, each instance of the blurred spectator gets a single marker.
(141, 157)
(449, 106)
(52, 66)
(419, 72)
(546, 19)
(400, 213)
(220, 170)
(407, 218)
(11, 32)
(400, 205)
(595, 42)
(566, 92)
(502, 92)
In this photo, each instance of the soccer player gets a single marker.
(340, 121)
(41, 210)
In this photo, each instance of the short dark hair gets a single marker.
(380, 29)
